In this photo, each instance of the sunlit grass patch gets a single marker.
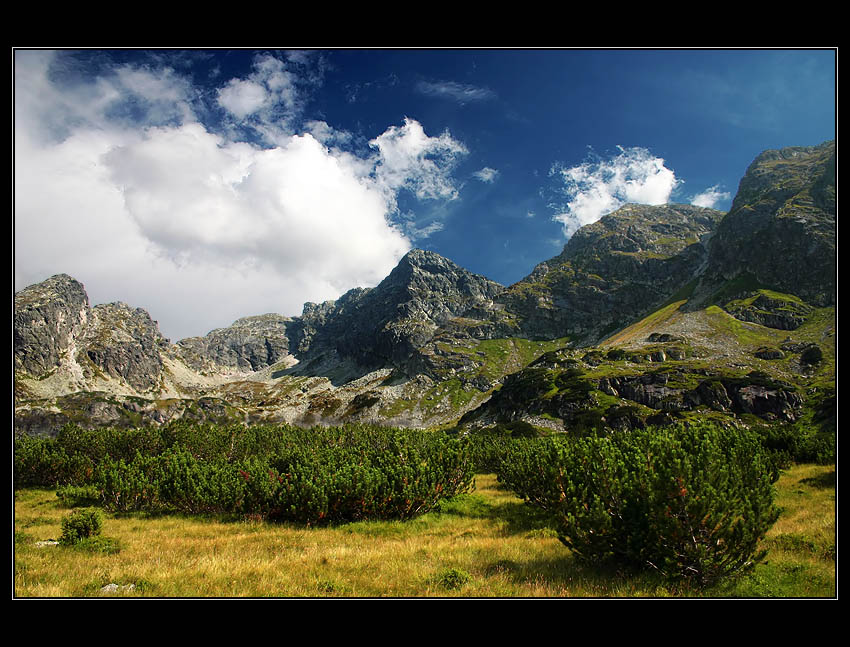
(506, 548)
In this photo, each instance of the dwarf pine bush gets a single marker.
(310, 476)
(690, 502)
(80, 525)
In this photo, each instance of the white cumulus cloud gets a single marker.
(410, 159)
(710, 197)
(596, 188)
(196, 225)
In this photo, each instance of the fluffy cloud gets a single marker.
(408, 158)
(242, 98)
(416, 233)
(194, 224)
(710, 197)
(268, 104)
(596, 188)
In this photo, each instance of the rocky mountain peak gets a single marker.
(643, 229)
(385, 325)
(433, 340)
(612, 271)
(58, 286)
(781, 230)
(424, 274)
(48, 318)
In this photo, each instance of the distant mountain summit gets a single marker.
(385, 325)
(781, 230)
(651, 314)
(613, 270)
(248, 344)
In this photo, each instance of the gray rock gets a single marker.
(769, 353)
(125, 343)
(249, 344)
(663, 338)
(112, 588)
(612, 271)
(48, 319)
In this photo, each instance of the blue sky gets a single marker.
(206, 185)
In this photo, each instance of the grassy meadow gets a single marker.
(484, 544)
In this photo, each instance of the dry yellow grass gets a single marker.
(639, 331)
(487, 544)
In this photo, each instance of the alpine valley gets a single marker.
(652, 314)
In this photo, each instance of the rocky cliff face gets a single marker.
(613, 271)
(49, 318)
(781, 230)
(125, 343)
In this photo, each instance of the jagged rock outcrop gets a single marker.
(781, 230)
(48, 319)
(385, 325)
(613, 271)
(249, 344)
(562, 388)
(125, 343)
(774, 311)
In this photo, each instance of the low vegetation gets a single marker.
(281, 473)
(691, 502)
(464, 542)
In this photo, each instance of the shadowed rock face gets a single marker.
(782, 225)
(49, 316)
(125, 343)
(613, 270)
(386, 324)
(249, 344)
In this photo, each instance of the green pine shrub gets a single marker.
(453, 578)
(309, 476)
(798, 443)
(80, 525)
(43, 462)
(77, 496)
(691, 502)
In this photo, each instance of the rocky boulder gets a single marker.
(125, 343)
(249, 344)
(48, 319)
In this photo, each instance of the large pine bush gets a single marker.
(688, 501)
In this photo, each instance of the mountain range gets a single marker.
(651, 314)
